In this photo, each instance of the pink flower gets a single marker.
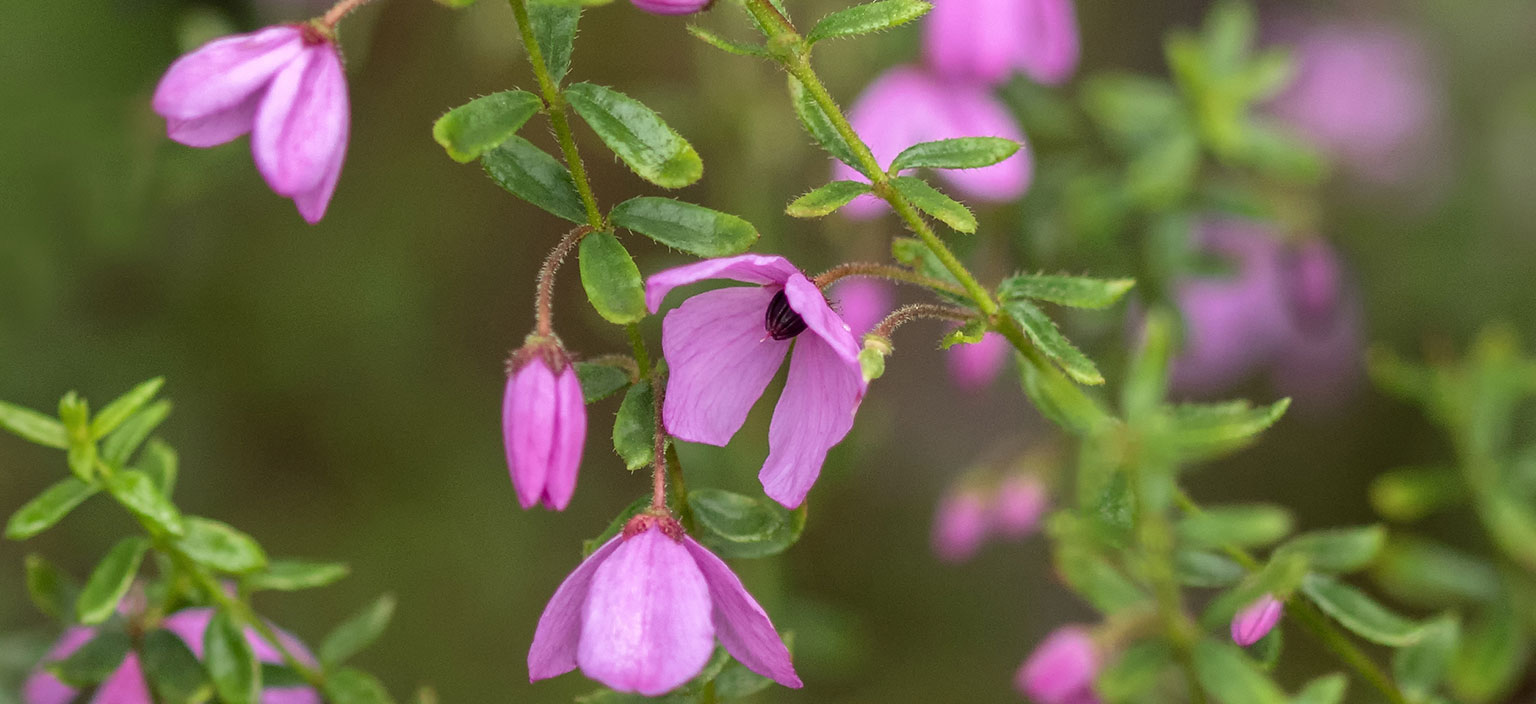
(975, 365)
(960, 525)
(1062, 668)
(544, 424)
(285, 86)
(1020, 501)
(906, 106)
(672, 7)
(1319, 360)
(1365, 93)
(1232, 322)
(642, 615)
(126, 684)
(1253, 623)
(863, 303)
(987, 40)
(724, 346)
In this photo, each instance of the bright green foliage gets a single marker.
(471, 129)
(1360, 613)
(125, 406)
(294, 575)
(220, 547)
(637, 135)
(529, 173)
(1242, 526)
(110, 581)
(137, 492)
(866, 18)
(825, 200)
(694, 229)
(230, 661)
(554, 28)
(1044, 334)
(1073, 291)
(726, 45)
(599, 381)
(172, 670)
(50, 589)
(349, 686)
(611, 279)
(357, 632)
(738, 526)
(932, 201)
(957, 153)
(1339, 550)
(1419, 668)
(48, 508)
(94, 661)
(33, 426)
(1229, 676)
(816, 122)
(634, 430)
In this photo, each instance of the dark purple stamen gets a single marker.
(782, 321)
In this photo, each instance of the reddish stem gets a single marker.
(544, 302)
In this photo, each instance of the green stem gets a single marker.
(637, 344)
(1301, 612)
(1155, 538)
(554, 106)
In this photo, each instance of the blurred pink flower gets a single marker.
(643, 612)
(1062, 668)
(672, 7)
(960, 525)
(974, 366)
(286, 87)
(544, 425)
(906, 106)
(1256, 620)
(1021, 500)
(863, 303)
(1365, 93)
(724, 346)
(987, 40)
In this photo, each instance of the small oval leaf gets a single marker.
(529, 173)
(957, 153)
(637, 135)
(826, 199)
(48, 508)
(634, 430)
(358, 632)
(866, 18)
(611, 279)
(218, 546)
(230, 661)
(1360, 613)
(110, 581)
(694, 229)
(471, 129)
(933, 202)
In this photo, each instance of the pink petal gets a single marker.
(203, 94)
(312, 203)
(125, 686)
(570, 438)
(975, 365)
(863, 303)
(1048, 46)
(302, 123)
(646, 626)
(820, 397)
(973, 39)
(42, 687)
(290, 695)
(1256, 620)
(555, 641)
(959, 526)
(544, 426)
(671, 7)
(740, 623)
(1062, 668)
(1020, 502)
(811, 304)
(748, 268)
(721, 360)
(975, 112)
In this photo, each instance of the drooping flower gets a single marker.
(1020, 501)
(960, 525)
(672, 7)
(643, 612)
(543, 423)
(907, 105)
(1062, 668)
(284, 85)
(987, 40)
(1365, 93)
(1256, 620)
(724, 346)
(127, 685)
(975, 365)
(862, 303)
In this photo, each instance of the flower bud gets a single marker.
(1062, 668)
(1253, 623)
(544, 424)
(960, 525)
(1020, 501)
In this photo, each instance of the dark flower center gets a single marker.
(782, 321)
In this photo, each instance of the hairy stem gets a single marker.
(919, 311)
(554, 107)
(544, 307)
(340, 10)
(659, 460)
(891, 272)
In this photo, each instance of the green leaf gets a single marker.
(1229, 676)
(350, 686)
(159, 461)
(82, 460)
(137, 492)
(554, 29)
(787, 527)
(529, 173)
(52, 591)
(916, 256)
(1146, 382)
(48, 508)
(1491, 658)
(691, 228)
(611, 279)
(637, 135)
(599, 381)
(734, 517)
(358, 632)
(1198, 568)
(1360, 613)
(95, 661)
(1203, 431)
(1411, 493)
(1163, 173)
(727, 45)
(1097, 581)
(124, 406)
(110, 581)
(870, 17)
(816, 122)
(1136, 672)
(1241, 526)
(933, 202)
(230, 661)
(826, 199)
(172, 670)
(1424, 572)
(617, 524)
(220, 547)
(1057, 398)
(1133, 110)
(121, 443)
(969, 333)
(471, 129)
(634, 430)
(1339, 550)
(33, 426)
(294, 575)
(1419, 668)
(1074, 291)
(1328, 689)
(957, 153)
(1048, 338)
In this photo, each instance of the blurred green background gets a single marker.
(338, 386)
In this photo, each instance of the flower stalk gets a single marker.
(544, 300)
